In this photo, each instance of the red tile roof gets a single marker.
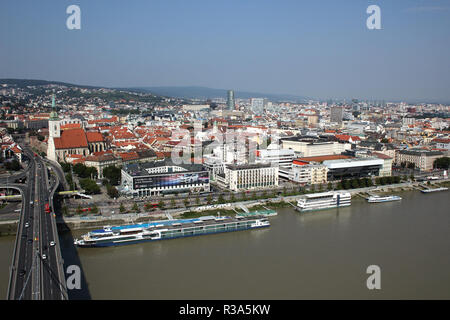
(94, 136)
(70, 139)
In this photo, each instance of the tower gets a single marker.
(230, 100)
(54, 130)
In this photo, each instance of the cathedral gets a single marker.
(70, 141)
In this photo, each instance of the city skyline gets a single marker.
(319, 50)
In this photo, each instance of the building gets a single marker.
(163, 177)
(71, 140)
(336, 114)
(230, 100)
(308, 147)
(258, 105)
(195, 107)
(353, 168)
(309, 173)
(386, 169)
(248, 177)
(281, 158)
(100, 162)
(423, 159)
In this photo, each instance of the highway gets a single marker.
(37, 265)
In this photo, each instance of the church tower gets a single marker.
(54, 127)
(54, 130)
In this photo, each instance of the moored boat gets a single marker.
(376, 199)
(169, 229)
(324, 200)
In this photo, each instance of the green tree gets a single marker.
(122, 208)
(221, 199)
(135, 208)
(161, 204)
(173, 203)
(94, 209)
(442, 163)
(354, 183)
(113, 174)
(89, 186)
(112, 191)
(209, 199)
(197, 201)
(330, 186)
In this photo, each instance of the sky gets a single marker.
(314, 48)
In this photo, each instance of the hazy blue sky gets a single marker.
(315, 48)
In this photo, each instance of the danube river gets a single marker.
(318, 255)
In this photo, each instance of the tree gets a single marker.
(411, 165)
(173, 203)
(161, 204)
(122, 208)
(209, 199)
(221, 199)
(112, 191)
(135, 208)
(197, 201)
(94, 209)
(89, 186)
(186, 202)
(355, 183)
(330, 186)
(113, 174)
(14, 165)
(442, 163)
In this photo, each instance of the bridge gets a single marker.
(37, 267)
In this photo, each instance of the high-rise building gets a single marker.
(230, 100)
(336, 114)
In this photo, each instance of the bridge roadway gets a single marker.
(37, 267)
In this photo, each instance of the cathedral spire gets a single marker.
(53, 114)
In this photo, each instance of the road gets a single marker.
(36, 272)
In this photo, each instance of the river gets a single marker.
(317, 255)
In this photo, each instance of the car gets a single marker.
(44, 256)
(27, 225)
(52, 243)
(22, 272)
(30, 241)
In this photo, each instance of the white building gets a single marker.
(249, 177)
(281, 158)
(309, 148)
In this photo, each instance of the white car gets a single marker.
(44, 256)
(27, 225)
(52, 243)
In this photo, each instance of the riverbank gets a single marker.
(230, 209)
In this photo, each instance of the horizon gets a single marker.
(315, 50)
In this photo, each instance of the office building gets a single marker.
(230, 100)
(163, 177)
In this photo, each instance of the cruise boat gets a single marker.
(375, 199)
(324, 200)
(434, 190)
(168, 229)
